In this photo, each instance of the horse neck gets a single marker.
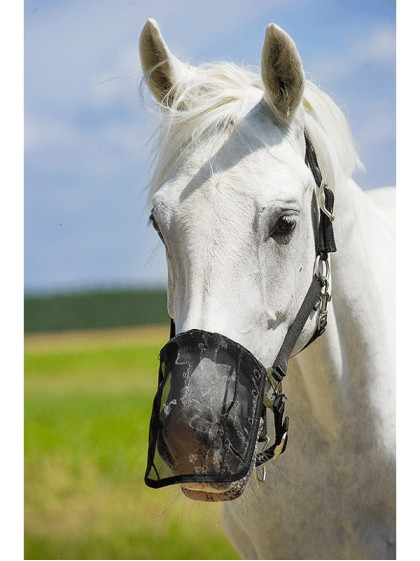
(346, 378)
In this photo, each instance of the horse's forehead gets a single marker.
(253, 178)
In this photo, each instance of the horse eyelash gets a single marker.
(152, 221)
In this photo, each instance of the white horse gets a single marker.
(233, 201)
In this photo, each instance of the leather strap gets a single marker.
(317, 291)
(326, 241)
(311, 302)
(324, 245)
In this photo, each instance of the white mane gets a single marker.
(212, 97)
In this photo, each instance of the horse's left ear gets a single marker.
(282, 71)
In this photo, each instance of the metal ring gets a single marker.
(319, 269)
(258, 477)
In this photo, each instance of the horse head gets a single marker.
(234, 204)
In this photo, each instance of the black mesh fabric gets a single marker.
(206, 412)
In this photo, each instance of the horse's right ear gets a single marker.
(161, 68)
(282, 71)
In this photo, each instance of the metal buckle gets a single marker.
(320, 195)
(258, 477)
(322, 271)
(280, 447)
(275, 390)
(323, 313)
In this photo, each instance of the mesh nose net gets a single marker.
(206, 412)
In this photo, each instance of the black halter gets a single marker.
(317, 298)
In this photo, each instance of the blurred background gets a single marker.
(95, 273)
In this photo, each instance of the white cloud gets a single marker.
(380, 127)
(380, 46)
(377, 48)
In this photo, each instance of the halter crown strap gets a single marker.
(326, 242)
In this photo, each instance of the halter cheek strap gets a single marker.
(318, 293)
(317, 297)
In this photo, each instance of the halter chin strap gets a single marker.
(317, 298)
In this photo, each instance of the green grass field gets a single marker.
(88, 398)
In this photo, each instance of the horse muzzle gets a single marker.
(206, 416)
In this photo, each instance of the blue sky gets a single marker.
(87, 133)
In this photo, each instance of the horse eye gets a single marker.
(155, 226)
(152, 221)
(284, 225)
